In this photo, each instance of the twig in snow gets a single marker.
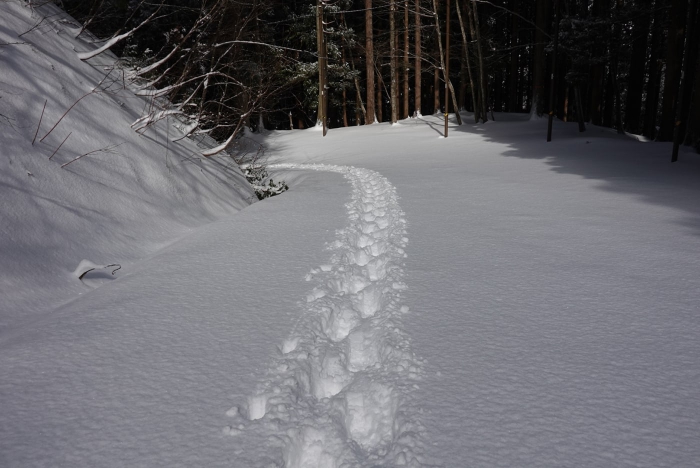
(106, 149)
(59, 146)
(119, 267)
(93, 91)
(39, 126)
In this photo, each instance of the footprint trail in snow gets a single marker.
(340, 392)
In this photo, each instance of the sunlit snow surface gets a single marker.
(488, 299)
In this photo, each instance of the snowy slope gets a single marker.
(489, 299)
(134, 194)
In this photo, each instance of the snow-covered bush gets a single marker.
(263, 185)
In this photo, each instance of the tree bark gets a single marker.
(654, 84)
(476, 34)
(465, 44)
(600, 10)
(369, 53)
(640, 33)
(406, 110)
(687, 80)
(393, 50)
(539, 65)
(674, 61)
(513, 104)
(418, 49)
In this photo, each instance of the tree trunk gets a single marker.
(640, 33)
(465, 46)
(476, 35)
(417, 92)
(369, 53)
(380, 100)
(406, 110)
(393, 51)
(688, 79)
(651, 100)
(322, 117)
(601, 10)
(539, 65)
(674, 61)
(436, 92)
(513, 105)
(445, 71)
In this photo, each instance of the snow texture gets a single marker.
(544, 312)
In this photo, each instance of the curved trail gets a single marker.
(339, 393)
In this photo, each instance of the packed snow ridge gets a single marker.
(339, 393)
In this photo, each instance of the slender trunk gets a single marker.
(513, 105)
(552, 81)
(635, 87)
(369, 53)
(380, 102)
(579, 108)
(476, 34)
(539, 66)
(392, 63)
(465, 44)
(322, 67)
(687, 81)
(436, 92)
(406, 110)
(654, 84)
(674, 60)
(417, 92)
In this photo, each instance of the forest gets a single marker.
(631, 65)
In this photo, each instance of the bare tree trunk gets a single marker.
(445, 70)
(687, 79)
(369, 53)
(482, 79)
(380, 101)
(513, 104)
(654, 84)
(322, 63)
(392, 63)
(633, 103)
(417, 92)
(539, 66)
(674, 60)
(465, 44)
(436, 92)
(405, 61)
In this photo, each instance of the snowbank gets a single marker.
(127, 196)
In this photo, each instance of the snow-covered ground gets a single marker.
(488, 299)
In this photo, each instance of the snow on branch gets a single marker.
(116, 39)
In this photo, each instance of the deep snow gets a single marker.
(488, 299)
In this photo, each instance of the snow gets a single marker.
(486, 299)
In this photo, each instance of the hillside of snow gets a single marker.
(126, 197)
(486, 299)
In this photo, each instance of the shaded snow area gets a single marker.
(128, 195)
(488, 299)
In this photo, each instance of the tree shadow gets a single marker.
(623, 164)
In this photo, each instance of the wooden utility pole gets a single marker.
(322, 68)
(552, 106)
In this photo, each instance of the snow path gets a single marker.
(339, 393)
